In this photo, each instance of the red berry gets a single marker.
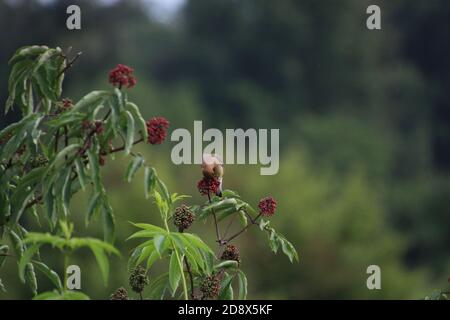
(157, 130)
(267, 206)
(208, 185)
(122, 76)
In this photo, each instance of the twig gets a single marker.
(189, 271)
(219, 240)
(253, 222)
(56, 140)
(70, 64)
(123, 147)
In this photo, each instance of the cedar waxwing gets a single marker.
(212, 167)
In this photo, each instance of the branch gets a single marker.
(70, 64)
(189, 271)
(219, 240)
(123, 147)
(253, 222)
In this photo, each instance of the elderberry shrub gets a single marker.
(58, 149)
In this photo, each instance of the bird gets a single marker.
(212, 167)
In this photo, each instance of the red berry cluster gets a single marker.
(267, 206)
(122, 76)
(157, 130)
(208, 185)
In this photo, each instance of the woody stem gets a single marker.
(219, 240)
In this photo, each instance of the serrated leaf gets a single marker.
(81, 173)
(30, 277)
(102, 261)
(227, 264)
(149, 181)
(226, 290)
(157, 287)
(93, 206)
(108, 221)
(135, 164)
(159, 243)
(174, 273)
(242, 280)
(130, 133)
(134, 110)
(26, 258)
(50, 274)
(4, 249)
(27, 52)
(92, 98)
(95, 170)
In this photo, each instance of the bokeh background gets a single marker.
(363, 117)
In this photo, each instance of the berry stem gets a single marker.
(188, 269)
(219, 240)
(253, 222)
(123, 147)
(70, 64)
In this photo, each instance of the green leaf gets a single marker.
(95, 170)
(81, 172)
(66, 118)
(66, 190)
(26, 258)
(134, 110)
(164, 190)
(149, 227)
(130, 132)
(157, 287)
(174, 273)
(152, 259)
(27, 52)
(93, 207)
(108, 221)
(4, 249)
(146, 252)
(132, 261)
(159, 243)
(50, 207)
(66, 295)
(102, 261)
(91, 99)
(60, 158)
(289, 250)
(227, 264)
(226, 290)
(30, 277)
(49, 273)
(243, 218)
(149, 181)
(242, 280)
(17, 244)
(135, 164)
(230, 194)
(226, 204)
(196, 241)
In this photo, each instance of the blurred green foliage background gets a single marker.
(363, 117)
